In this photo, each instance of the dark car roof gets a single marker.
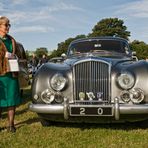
(99, 38)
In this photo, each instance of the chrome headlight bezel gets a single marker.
(47, 96)
(126, 80)
(58, 82)
(137, 95)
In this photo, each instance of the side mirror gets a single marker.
(63, 55)
(134, 57)
(134, 53)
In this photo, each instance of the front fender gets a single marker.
(41, 80)
(138, 69)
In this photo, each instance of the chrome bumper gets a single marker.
(64, 109)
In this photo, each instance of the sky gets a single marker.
(45, 23)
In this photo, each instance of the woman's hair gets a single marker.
(4, 20)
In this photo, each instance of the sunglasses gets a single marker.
(7, 25)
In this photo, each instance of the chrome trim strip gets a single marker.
(116, 109)
(46, 108)
(89, 59)
(134, 109)
(65, 108)
(59, 109)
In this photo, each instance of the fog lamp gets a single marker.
(59, 98)
(137, 95)
(47, 96)
(125, 96)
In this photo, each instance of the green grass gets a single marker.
(31, 134)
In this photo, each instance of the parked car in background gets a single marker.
(29, 68)
(56, 60)
(99, 81)
(32, 69)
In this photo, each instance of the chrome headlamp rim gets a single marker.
(47, 96)
(137, 95)
(126, 80)
(58, 82)
(125, 96)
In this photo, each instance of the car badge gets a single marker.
(82, 95)
(90, 95)
(99, 96)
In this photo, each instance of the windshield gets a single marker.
(98, 46)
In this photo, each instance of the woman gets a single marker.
(9, 86)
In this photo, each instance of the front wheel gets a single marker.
(46, 123)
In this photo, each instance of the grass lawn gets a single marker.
(31, 134)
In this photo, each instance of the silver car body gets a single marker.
(100, 81)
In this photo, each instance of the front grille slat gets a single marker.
(92, 76)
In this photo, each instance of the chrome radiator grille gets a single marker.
(92, 78)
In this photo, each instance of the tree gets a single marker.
(63, 46)
(141, 49)
(41, 51)
(110, 27)
(27, 54)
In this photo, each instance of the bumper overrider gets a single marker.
(117, 109)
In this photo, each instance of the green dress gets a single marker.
(9, 86)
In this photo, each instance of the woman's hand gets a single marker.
(9, 55)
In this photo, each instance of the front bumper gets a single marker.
(64, 109)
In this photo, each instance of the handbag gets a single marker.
(13, 64)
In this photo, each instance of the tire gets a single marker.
(46, 123)
(144, 124)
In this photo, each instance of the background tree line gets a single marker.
(105, 27)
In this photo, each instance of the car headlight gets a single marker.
(126, 80)
(137, 95)
(58, 82)
(47, 96)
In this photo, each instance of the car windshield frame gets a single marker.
(99, 46)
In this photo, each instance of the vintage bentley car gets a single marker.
(100, 81)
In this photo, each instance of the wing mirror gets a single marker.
(63, 55)
(134, 56)
(134, 53)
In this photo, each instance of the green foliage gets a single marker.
(27, 54)
(63, 46)
(141, 49)
(41, 51)
(110, 27)
(54, 54)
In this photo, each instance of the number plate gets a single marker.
(91, 111)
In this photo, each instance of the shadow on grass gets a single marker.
(4, 115)
(28, 122)
(84, 126)
(116, 126)
(26, 96)
(23, 123)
